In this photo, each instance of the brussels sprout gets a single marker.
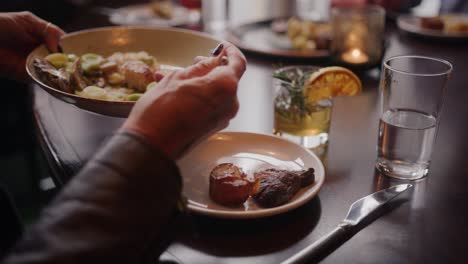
(58, 60)
(151, 85)
(115, 78)
(147, 60)
(90, 63)
(145, 57)
(94, 92)
(72, 57)
(134, 97)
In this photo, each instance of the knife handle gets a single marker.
(320, 248)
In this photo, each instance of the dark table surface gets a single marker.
(430, 227)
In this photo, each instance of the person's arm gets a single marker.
(118, 209)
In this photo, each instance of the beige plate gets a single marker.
(411, 25)
(143, 15)
(257, 37)
(251, 152)
(175, 47)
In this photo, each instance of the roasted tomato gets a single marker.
(229, 185)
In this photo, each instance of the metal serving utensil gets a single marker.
(358, 211)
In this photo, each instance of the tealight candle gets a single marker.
(357, 36)
(355, 56)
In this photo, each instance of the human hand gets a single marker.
(20, 33)
(191, 104)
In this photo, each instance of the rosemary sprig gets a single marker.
(293, 101)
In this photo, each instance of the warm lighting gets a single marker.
(357, 36)
(355, 56)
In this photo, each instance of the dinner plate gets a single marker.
(251, 152)
(258, 38)
(143, 15)
(411, 25)
(167, 45)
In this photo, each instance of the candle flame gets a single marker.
(356, 53)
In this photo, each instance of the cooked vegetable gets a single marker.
(146, 58)
(90, 63)
(115, 78)
(72, 57)
(151, 85)
(123, 76)
(94, 92)
(58, 60)
(134, 97)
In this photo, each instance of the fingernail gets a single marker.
(216, 51)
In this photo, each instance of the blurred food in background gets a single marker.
(308, 35)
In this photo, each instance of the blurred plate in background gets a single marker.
(412, 25)
(258, 37)
(144, 15)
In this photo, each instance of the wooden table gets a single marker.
(429, 228)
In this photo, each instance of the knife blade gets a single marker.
(357, 212)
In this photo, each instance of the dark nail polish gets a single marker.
(216, 51)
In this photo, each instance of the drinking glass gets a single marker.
(193, 7)
(411, 96)
(215, 16)
(313, 10)
(298, 119)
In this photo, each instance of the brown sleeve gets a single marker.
(116, 210)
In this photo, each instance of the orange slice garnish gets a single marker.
(330, 82)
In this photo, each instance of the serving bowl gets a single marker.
(172, 47)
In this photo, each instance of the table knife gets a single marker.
(358, 211)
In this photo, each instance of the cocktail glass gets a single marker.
(303, 121)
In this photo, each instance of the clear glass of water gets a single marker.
(314, 10)
(215, 16)
(411, 95)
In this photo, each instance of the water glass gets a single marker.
(193, 7)
(315, 10)
(215, 16)
(297, 118)
(411, 96)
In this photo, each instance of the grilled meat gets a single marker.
(307, 177)
(229, 185)
(51, 76)
(277, 187)
(77, 79)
